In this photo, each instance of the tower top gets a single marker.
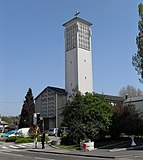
(77, 19)
(77, 14)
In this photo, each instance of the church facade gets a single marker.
(49, 104)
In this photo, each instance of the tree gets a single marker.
(10, 119)
(130, 91)
(87, 116)
(97, 115)
(73, 117)
(7, 119)
(126, 119)
(28, 109)
(137, 59)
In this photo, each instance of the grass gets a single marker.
(70, 147)
(104, 142)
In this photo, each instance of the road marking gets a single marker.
(117, 149)
(43, 158)
(4, 147)
(13, 146)
(21, 146)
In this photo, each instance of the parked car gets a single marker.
(52, 131)
(21, 132)
(8, 134)
(63, 130)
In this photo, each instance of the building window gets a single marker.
(71, 34)
(84, 36)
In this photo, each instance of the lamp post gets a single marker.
(56, 112)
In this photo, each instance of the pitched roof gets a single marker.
(75, 20)
(112, 98)
(58, 90)
(134, 99)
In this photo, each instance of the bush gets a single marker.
(24, 140)
(39, 139)
(67, 139)
(11, 139)
(29, 140)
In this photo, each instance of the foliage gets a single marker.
(87, 116)
(24, 140)
(69, 139)
(97, 115)
(32, 132)
(28, 109)
(126, 119)
(11, 139)
(10, 119)
(39, 139)
(130, 91)
(137, 59)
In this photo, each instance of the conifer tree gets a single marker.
(28, 108)
(137, 59)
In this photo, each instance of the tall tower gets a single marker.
(78, 56)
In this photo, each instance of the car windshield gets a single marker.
(52, 129)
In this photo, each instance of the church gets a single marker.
(78, 72)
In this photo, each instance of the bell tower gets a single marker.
(78, 55)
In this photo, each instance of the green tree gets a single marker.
(28, 108)
(126, 119)
(7, 119)
(97, 115)
(87, 116)
(10, 119)
(137, 59)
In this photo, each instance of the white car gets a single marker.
(52, 131)
(21, 132)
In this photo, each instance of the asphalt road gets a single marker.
(22, 155)
(28, 155)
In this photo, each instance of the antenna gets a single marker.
(77, 14)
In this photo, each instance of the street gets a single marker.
(22, 155)
(11, 151)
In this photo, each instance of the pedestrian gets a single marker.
(43, 140)
(59, 132)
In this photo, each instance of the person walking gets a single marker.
(43, 140)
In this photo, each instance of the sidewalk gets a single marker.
(99, 153)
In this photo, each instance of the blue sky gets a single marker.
(32, 46)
